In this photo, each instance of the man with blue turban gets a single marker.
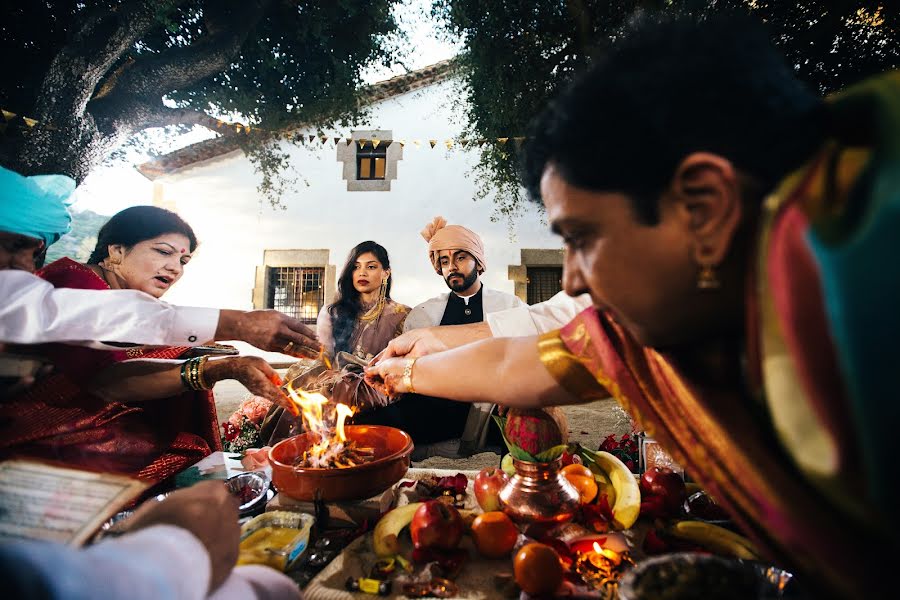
(34, 214)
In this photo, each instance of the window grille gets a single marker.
(371, 161)
(296, 291)
(543, 283)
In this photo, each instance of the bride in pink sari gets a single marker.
(106, 411)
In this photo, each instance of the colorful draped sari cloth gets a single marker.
(802, 455)
(59, 419)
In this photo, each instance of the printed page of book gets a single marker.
(49, 502)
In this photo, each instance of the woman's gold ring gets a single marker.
(287, 349)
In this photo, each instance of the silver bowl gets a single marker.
(252, 487)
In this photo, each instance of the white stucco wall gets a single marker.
(234, 225)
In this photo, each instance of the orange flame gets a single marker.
(312, 407)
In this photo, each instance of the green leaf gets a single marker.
(515, 451)
(551, 454)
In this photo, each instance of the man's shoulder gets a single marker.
(439, 299)
(501, 300)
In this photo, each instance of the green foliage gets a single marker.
(519, 53)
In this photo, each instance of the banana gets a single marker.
(604, 486)
(626, 501)
(715, 538)
(384, 538)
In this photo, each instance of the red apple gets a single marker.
(436, 525)
(667, 485)
(488, 484)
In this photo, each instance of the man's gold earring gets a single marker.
(707, 280)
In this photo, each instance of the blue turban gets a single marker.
(35, 206)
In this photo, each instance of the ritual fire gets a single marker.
(329, 447)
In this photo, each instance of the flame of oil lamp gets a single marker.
(602, 567)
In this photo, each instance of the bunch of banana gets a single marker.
(385, 540)
(617, 482)
(714, 538)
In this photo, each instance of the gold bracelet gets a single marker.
(407, 375)
(201, 383)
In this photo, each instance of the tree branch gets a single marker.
(153, 76)
(96, 45)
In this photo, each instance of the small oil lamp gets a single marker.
(602, 568)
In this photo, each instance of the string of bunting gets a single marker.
(10, 117)
(449, 143)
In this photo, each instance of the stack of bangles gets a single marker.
(192, 373)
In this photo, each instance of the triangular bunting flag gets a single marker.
(402, 143)
(417, 143)
(9, 116)
(503, 141)
(481, 142)
(449, 144)
(30, 122)
(349, 141)
(312, 138)
(463, 143)
(432, 142)
(362, 144)
(337, 141)
(323, 139)
(375, 143)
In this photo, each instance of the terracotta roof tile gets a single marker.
(212, 148)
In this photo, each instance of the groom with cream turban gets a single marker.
(457, 255)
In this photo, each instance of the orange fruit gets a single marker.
(586, 486)
(577, 469)
(537, 569)
(494, 534)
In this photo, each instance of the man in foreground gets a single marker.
(737, 236)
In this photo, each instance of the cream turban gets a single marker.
(441, 236)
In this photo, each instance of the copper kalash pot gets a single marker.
(539, 493)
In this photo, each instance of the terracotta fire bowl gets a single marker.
(392, 449)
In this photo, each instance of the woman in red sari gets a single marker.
(109, 410)
(738, 238)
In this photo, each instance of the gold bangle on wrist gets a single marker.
(201, 383)
(407, 375)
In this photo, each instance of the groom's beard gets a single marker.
(459, 285)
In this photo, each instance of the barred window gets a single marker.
(371, 161)
(296, 291)
(543, 283)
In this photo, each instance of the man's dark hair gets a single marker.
(137, 224)
(347, 308)
(667, 89)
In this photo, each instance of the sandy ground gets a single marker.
(588, 424)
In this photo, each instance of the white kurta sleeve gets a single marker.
(537, 318)
(32, 311)
(324, 331)
(162, 561)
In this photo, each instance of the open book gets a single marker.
(49, 502)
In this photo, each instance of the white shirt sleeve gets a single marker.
(162, 561)
(537, 318)
(324, 331)
(32, 311)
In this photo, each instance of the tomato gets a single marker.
(537, 569)
(494, 534)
